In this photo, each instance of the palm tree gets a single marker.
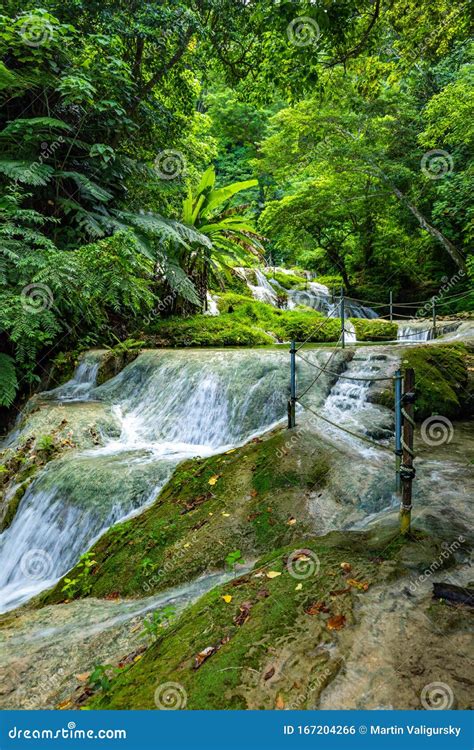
(232, 236)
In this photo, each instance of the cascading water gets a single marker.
(314, 295)
(85, 377)
(167, 406)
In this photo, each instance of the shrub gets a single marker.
(374, 330)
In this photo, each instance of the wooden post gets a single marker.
(398, 429)
(391, 305)
(343, 343)
(292, 399)
(407, 471)
(433, 307)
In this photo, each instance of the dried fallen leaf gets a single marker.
(227, 598)
(346, 567)
(83, 677)
(253, 493)
(263, 594)
(298, 587)
(316, 608)
(273, 574)
(361, 585)
(291, 521)
(203, 655)
(232, 450)
(339, 592)
(279, 703)
(226, 515)
(213, 479)
(269, 674)
(244, 613)
(336, 622)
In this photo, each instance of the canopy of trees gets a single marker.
(145, 148)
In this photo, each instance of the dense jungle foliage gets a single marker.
(148, 148)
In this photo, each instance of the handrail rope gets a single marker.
(322, 369)
(397, 304)
(344, 429)
(339, 375)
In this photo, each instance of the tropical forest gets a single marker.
(236, 354)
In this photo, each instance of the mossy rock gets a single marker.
(442, 379)
(245, 498)
(286, 280)
(113, 362)
(272, 643)
(13, 506)
(374, 329)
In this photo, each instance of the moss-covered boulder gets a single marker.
(443, 385)
(374, 329)
(272, 638)
(249, 499)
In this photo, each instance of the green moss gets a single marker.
(374, 330)
(243, 498)
(205, 330)
(441, 377)
(13, 505)
(235, 675)
(286, 280)
(245, 322)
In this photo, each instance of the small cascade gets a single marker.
(82, 382)
(315, 295)
(349, 333)
(347, 404)
(212, 306)
(413, 334)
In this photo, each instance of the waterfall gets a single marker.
(170, 405)
(83, 380)
(315, 295)
(414, 334)
(212, 307)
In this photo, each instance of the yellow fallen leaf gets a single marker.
(188, 544)
(137, 658)
(213, 479)
(273, 574)
(259, 575)
(227, 598)
(298, 587)
(211, 514)
(291, 521)
(232, 450)
(280, 703)
(226, 515)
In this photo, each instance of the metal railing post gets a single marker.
(343, 343)
(433, 307)
(398, 429)
(292, 399)
(391, 305)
